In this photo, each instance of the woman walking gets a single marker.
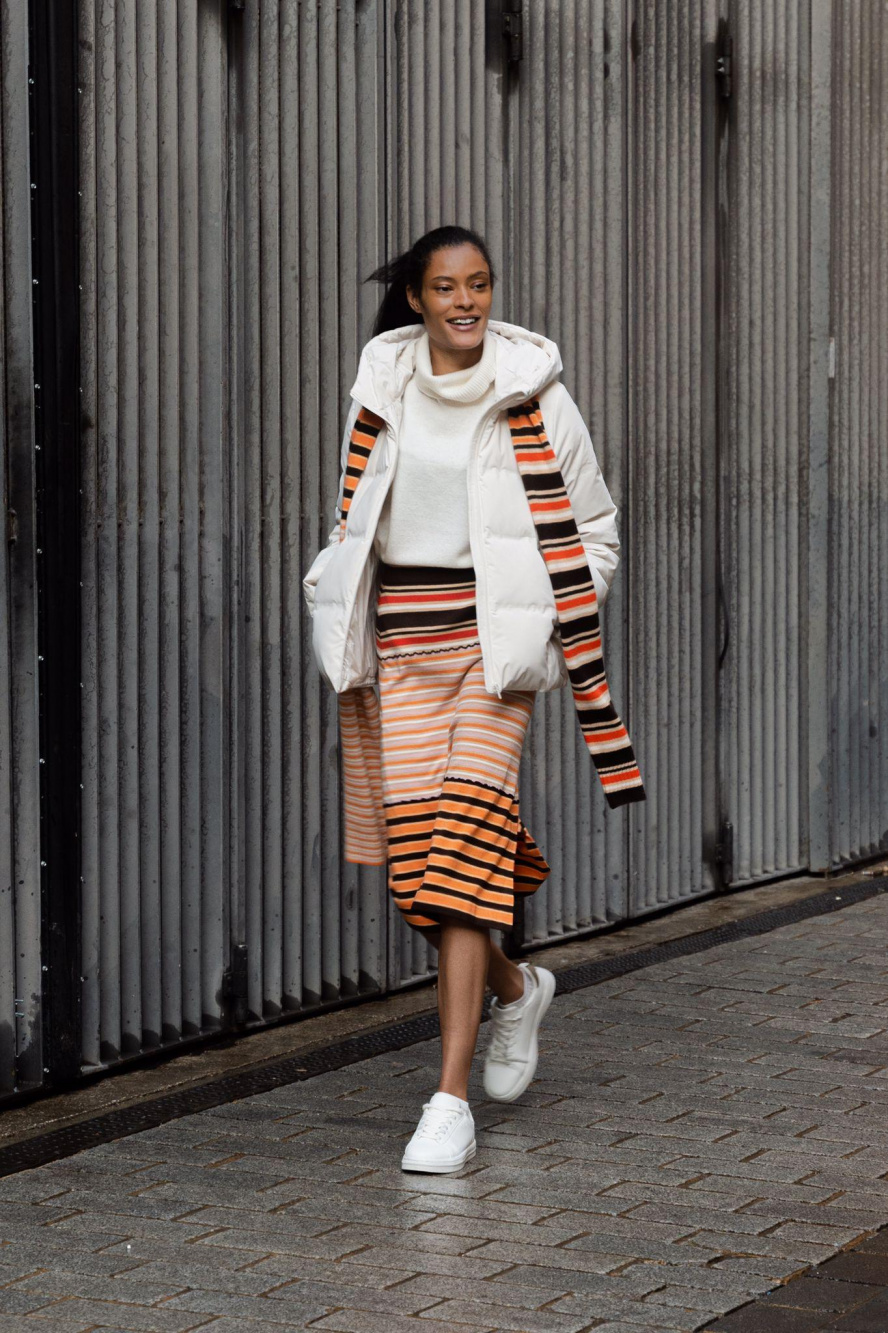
(475, 540)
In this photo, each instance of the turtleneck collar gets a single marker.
(459, 386)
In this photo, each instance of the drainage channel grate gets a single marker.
(99, 1129)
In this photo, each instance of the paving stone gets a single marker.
(820, 1293)
(709, 1302)
(428, 1261)
(489, 1230)
(278, 1268)
(285, 1310)
(332, 1246)
(753, 1319)
(479, 1313)
(872, 1317)
(402, 1298)
(835, 1236)
(858, 1266)
(15, 1300)
(116, 1226)
(308, 1217)
(756, 1266)
(185, 1275)
(833, 1216)
(490, 1207)
(53, 1323)
(690, 1217)
(514, 1289)
(619, 1326)
(363, 1321)
(159, 1319)
(122, 1206)
(793, 1251)
(142, 1248)
(52, 1284)
(237, 1325)
(644, 1314)
(50, 1240)
(722, 1201)
(504, 1252)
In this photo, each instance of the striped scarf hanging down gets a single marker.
(576, 604)
(360, 726)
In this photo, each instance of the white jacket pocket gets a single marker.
(321, 561)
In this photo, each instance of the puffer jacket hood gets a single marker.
(525, 363)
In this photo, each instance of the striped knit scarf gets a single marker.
(576, 603)
(360, 727)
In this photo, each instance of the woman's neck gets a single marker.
(445, 360)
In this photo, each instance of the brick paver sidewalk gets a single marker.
(698, 1131)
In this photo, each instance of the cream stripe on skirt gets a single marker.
(450, 754)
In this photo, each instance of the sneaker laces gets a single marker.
(505, 1030)
(437, 1121)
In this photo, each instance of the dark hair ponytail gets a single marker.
(408, 269)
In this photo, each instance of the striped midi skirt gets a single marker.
(449, 757)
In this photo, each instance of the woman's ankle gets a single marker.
(453, 1090)
(512, 987)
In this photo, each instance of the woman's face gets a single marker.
(455, 299)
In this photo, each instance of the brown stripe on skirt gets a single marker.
(450, 755)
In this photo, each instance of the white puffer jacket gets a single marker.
(517, 621)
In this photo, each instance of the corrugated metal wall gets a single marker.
(670, 385)
(565, 260)
(156, 526)
(222, 304)
(20, 962)
(763, 476)
(307, 228)
(858, 551)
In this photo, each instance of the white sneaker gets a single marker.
(444, 1139)
(511, 1058)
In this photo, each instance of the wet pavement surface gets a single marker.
(700, 1133)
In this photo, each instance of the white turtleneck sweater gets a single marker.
(425, 518)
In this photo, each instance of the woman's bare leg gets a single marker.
(467, 960)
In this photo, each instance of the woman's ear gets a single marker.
(413, 303)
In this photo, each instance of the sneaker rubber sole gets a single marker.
(439, 1168)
